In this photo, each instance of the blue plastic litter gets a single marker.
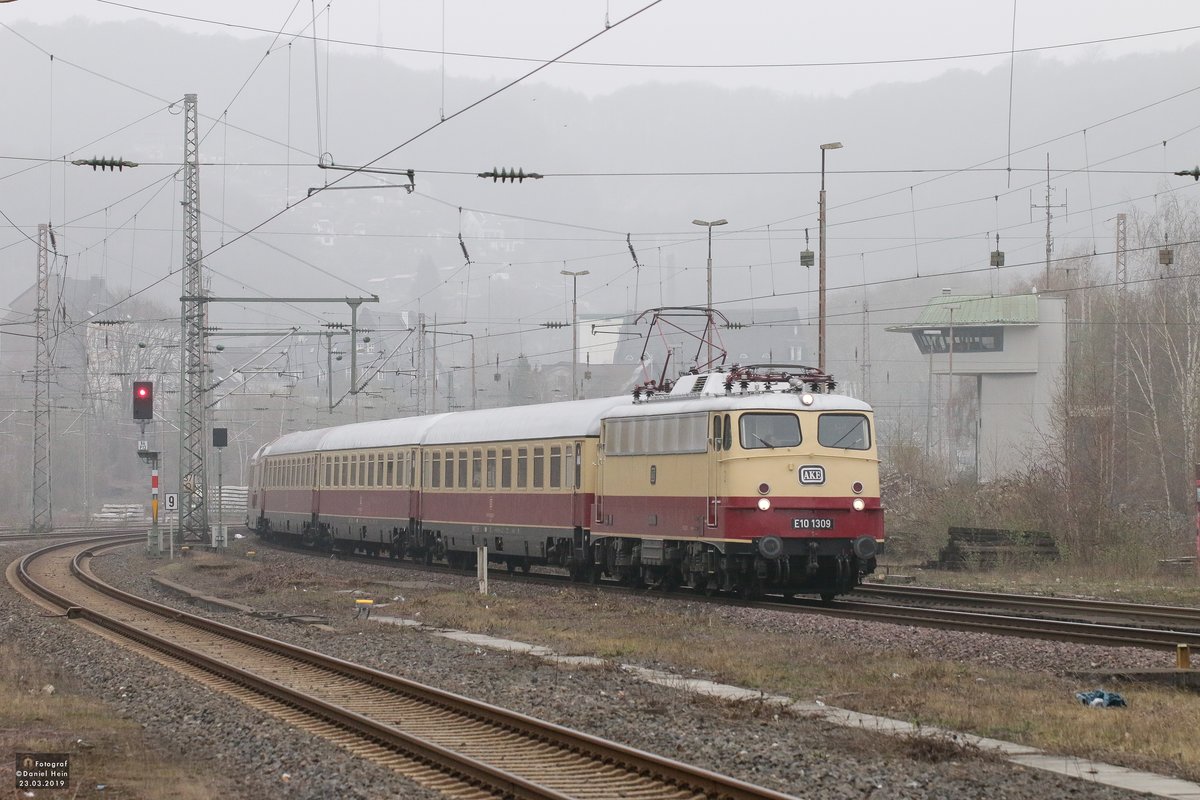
(1100, 699)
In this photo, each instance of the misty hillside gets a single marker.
(887, 223)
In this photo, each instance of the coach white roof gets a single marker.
(542, 421)
(562, 420)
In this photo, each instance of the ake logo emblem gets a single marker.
(812, 475)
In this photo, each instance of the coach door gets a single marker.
(414, 483)
(712, 501)
(579, 512)
(317, 464)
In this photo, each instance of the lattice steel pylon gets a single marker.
(41, 518)
(193, 372)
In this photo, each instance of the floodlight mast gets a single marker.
(708, 304)
(821, 276)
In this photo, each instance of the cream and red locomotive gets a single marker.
(752, 480)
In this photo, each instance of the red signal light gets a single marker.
(143, 400)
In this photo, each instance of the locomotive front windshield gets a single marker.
(769, 430)
(844, 431)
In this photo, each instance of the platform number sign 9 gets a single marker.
(170, 501)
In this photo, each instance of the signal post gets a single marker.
(143, 411)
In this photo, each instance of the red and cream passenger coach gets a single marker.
(756, 479)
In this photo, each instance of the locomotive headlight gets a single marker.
(806, 399)
(856, 487)
(859, 504)
(764, 504)
(764, 488)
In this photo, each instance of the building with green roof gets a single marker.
(1003, 358)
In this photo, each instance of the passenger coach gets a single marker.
(750, 480)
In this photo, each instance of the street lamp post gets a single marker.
(708, 307)
(821, 270)
(574, 326)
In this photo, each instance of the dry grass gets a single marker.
(1155, 732)
(1035, 709)
(106, 750)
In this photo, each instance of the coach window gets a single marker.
(555, 467)
(391, 469)
(449, 476)
(328, 472)
(462, 469)
(362, 469)
(435, 473)
(476, 469)
(345, 470)
(578, 465)
(769, 431)
(522, 467)
(539, 467)
(412, 468)
(371, 469)
(491, 468)
(506, 468)
(845, 431)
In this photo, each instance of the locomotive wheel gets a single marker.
(827, 597)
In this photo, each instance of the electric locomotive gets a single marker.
(753, 480)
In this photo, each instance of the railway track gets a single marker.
(1094, 633)
(1096, 622)
(1109, 611)
(64, 533)
(461, 747)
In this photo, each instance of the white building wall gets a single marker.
(1016, 407)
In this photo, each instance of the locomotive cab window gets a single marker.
(769, 430)
(844, 431)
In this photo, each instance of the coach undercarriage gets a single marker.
(825, 568)
(770, 565)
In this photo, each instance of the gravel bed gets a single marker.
(791, 753)
(256, 754)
